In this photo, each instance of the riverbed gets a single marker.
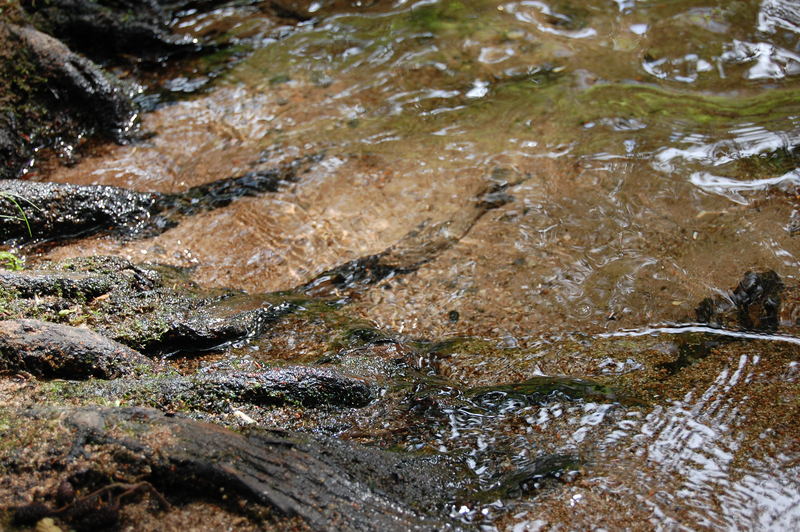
(638, 156)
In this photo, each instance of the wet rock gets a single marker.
(30, 284)
(536, 475)
(48, 91)
(60, 211)
(54, 210)
(690, 350)
(187, 460)
(202, 329)
(104, 28)
(98, 95)
(154, 310)
(215, 392)
(754, 304)
(50, 350)
(220, 193)
(15, 149)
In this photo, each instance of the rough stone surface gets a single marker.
(153, 310)
(307, 386)
(30, 284)
(49, 92)
(51, 350)
(85, 85)
(326, 487)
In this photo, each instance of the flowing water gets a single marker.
(650, 149)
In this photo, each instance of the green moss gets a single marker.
(645, 101)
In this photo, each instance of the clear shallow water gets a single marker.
(652, 148)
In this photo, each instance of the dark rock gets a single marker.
(535, 476)
(288, 474)
(60, 211)
(48, 92)
(215, 392)
(544, 389)
(754, 305)
(107, 28)
(30, 284)
(55, 210)
(154, 310)
(50, 350)
(15, 150)
(222, 192)
(30, 514)
(77, 83)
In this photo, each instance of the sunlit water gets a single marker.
(653, 151)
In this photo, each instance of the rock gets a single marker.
(534, 476)
(154, 310)
(544, 389)
(416, 248)
(105, 28)
(15, 150)
(29, 284)
(50, 350)
(60, 211)
(77, 83)
(214, 392)
(222, 192)
(55, 210)
(181, 459)
(754, 305)
(48, 91)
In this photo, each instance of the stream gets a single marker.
(638, 156)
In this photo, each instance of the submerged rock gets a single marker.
(544, 389)
(417, 248)
(754, 305)
(535, 476)
(215, 392)
(51, 350)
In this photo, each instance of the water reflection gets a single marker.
(732, 188)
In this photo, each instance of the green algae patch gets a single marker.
(543, 389)
(646, 101)
(440, 17)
